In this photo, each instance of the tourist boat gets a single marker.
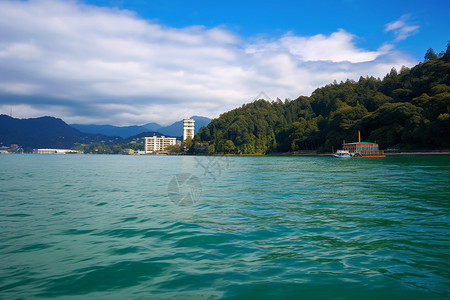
(342, 154)
(362, 149)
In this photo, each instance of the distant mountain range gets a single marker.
(176, 129)
(50, 132)
(45, 132)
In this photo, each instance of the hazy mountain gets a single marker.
(151, 126)
(176, 129)
(45, 132)
(111, 130)
(145, 134)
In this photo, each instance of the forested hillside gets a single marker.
(409, 108)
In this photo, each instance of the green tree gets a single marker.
(229, 146)
(187, 143)
(430, 55)
(211, 149)
(174, 149)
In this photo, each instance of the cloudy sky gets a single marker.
(133, 62)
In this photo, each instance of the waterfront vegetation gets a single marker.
(409, 108)
(100, 148)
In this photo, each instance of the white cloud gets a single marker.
(401, 29)
(88, 64)
(336, 48)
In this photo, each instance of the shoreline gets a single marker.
(420, 153)
(306, 153)
(412, 153)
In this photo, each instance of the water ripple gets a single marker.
(265, 227)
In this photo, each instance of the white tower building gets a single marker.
(188, 128)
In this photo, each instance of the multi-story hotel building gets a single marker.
(188, 129)
(158, 144)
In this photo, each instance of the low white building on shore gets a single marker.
(56, 151)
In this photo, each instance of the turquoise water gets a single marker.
(162, 227)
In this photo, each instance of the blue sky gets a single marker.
(365, 19)
(133, 62)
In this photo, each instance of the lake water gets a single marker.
(180, 227)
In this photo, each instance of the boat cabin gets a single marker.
(359, 148)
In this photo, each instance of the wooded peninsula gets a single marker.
(407, 109)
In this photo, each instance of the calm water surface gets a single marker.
(114, 227)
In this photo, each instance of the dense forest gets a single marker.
(409, 108)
